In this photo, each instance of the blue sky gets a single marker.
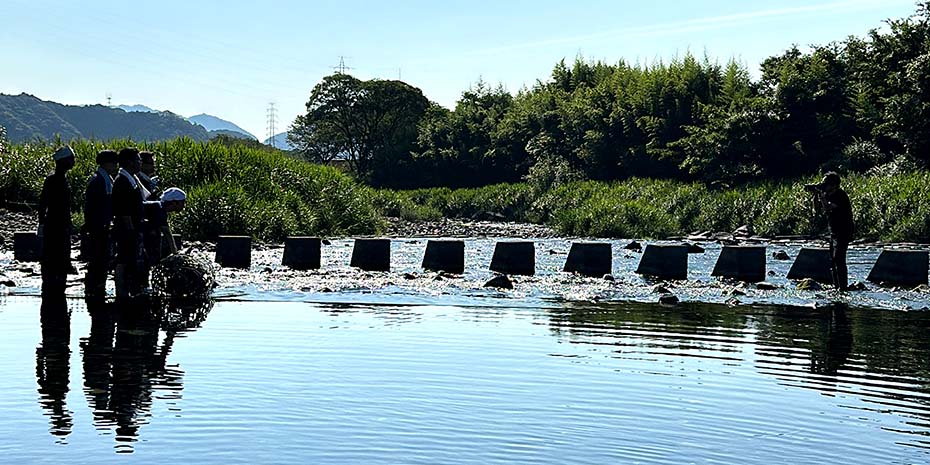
(231, 58)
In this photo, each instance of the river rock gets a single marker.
(923, 288)
(634, 246)
(609, 277)
(781, 255)
(409, 276)
(733, 292)
(500, 281)
(744, 230)
(668, 299)
(808, 284)
(765, 286)
(857, 286)
(660, 289)
(7, 283)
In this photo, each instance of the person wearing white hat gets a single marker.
(55, 224)
(172, 200)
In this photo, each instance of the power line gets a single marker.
(272, 119)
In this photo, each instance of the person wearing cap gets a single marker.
(836, 204)
(98, 216)
(55, 224)
(127, 224)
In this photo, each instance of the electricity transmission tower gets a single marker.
(272, 119)
(342, 68)
(109, 100)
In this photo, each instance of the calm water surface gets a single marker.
(285, 382)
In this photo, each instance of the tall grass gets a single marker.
(891, 208)
(231, 189)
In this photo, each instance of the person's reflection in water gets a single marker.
(97, 353)
(827, 358)
(52, 363)
(124, 364)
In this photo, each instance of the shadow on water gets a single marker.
(125, 361)
(879, 357)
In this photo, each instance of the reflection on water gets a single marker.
(880, 357)
(125, 361)
(597, 383)
(53, 363)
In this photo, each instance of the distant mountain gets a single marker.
(132, 108)
(27, 117)
(280, 141)
(212, 123)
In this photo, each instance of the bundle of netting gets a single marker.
(183, 277)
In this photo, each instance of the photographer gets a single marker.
(835, 203)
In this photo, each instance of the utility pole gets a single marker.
(272, 119)
(342, 68)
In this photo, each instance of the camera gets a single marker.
(814, 188)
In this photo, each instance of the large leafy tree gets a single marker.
(371, 124)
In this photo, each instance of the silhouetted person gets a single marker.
(151, 229)
(127, 224)
(147, 177)
(161, 244)
(55, 224)
(98, 219)
(835, 202)
(52, 363)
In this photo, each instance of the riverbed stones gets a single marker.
(664, 261)
(514, 257)
(634, 246)
(591, 259)
(781, 255)
(743, 263)
(668, 300)
(234, 251)
(808, 284)
(900, 268)
(302, 253)
(445, 255)
(27, 246)
(372, 254)
(813, 263)
(500, 282)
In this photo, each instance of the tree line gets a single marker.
(848, 106)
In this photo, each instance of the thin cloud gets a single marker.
(697, 24)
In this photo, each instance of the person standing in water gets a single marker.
(55, 224)
(98, 216)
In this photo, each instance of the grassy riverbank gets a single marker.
(236, 189)
(232, 189)
(892, 207)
